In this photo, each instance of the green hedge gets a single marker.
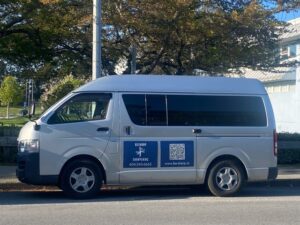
(289, 156)
(288, 137)
(8, 156)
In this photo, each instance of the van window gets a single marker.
(156, 110)
(146, 109)
(192, 110)
(185, 110)
(136, 108)
(82, 107)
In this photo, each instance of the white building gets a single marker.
(283, 86)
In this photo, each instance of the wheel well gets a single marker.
(226, 157)
(85, 157)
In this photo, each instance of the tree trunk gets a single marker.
(7, 111)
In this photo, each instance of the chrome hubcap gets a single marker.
(82, 179)
(227, 179)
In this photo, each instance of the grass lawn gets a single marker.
(13, 111)
(18, 121)
(15, 119)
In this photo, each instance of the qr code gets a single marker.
(177, 151)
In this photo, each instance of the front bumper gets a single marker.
(28, 170)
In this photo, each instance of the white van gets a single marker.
(152, 130)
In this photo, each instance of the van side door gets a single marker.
(81, 125)
(151, 151)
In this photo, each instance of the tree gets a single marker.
(46, 39)
(10, 92)
(179, 36)
(58, 90)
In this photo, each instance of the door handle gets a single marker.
(103, 129)
(128, 130)
(197, 131)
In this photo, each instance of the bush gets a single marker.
(289, 137)
(289, 156)
(9, 155)
(58, 90)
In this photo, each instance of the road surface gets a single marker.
(257, 204)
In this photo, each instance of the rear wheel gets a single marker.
(225, 178)
(81, 179)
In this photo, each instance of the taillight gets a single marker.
(275, 143)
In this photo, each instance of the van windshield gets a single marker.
(49, 110)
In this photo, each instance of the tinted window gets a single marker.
(146, 109)
(136, 108)
(215, 111)
(156, 110)
(82, 107)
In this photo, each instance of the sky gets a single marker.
(288, 16)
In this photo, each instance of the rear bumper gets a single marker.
(262, 174)
(28, 170)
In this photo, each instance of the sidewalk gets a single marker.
(288, 172)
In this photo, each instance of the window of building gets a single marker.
(284, 53)
(292, 51)
(82, 107)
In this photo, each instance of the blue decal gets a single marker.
(140, 154)
(177, 153)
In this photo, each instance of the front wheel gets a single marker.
(81, 179)
(225, 178)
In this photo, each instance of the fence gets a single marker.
(289, 149)
(8, 143)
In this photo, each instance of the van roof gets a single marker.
(174, 84)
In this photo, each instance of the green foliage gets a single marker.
(46, 39)
(212, 36)
(289, 137)
(10, 92)
(58, 90)
(289, 156)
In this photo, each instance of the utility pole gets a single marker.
(97, 29)
(133, 59)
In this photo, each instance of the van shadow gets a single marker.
(157, 193)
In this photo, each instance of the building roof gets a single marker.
(174, 84)
(293, 31)
(279, 74)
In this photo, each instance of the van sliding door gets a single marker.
(151, 150)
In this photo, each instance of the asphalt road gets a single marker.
(263, 203)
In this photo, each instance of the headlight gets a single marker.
(29, 145)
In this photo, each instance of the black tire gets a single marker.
(232, 175)
(82, 173)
